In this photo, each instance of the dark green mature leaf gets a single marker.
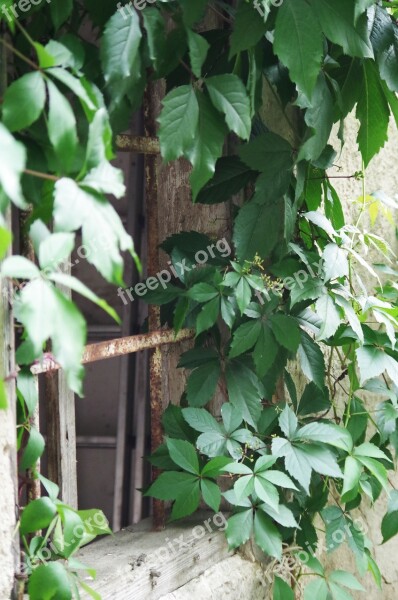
(270, 154)
(50, 581)
(24, 101)
(178, 122)
(265, 351)
(281, 590)
(61, 127)
(186, 503)
(120, 52)
(389, 524)
(211, 494)
(37, 515)
(312, 360)
(202, 384)
(245, 391)
(286, 331)
(267, 535)
(249, 28)
(229, 96)
(33, 450)
(319, 118)
(170, 485)
(257, 228)
(297, 22)
(184, 455)
(239, 528)
(373, 113)
(60, 11)
(231, 175)
(208, 316)
(245, 337)
(337, 22)
(207, 145)
(198, 48)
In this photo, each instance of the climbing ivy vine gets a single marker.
(291, 290)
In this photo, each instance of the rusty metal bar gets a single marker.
(119, 347)
(136, 143)
(155, 360)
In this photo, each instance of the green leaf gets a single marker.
(119, 52)
(312, 360)
(283, 515)
(239, 528)
(24, 101)
(257, 228)
(376, 469)
(286, 331)
(245, 337)
(265, 351)
(281, 590)
(46, 313)
(171, 484)
(49, 581)
(245, 391)
(19, 267)
(178, 122)
(55, 249)
(202, 384)
(198, 48)
(326, 433)
(37, 515)
(270, 154)
(51, 488)
(71, 522)
(267, 536)
(187, 502)
(208, 316)
(319, 118)
(373, 361)
(352, 474)
(76, 86)
(373, 114)
(337, 21)
(184, 455)
(61, 127)
(12, 164)
(33, 450)
(249, 28)
(26, 386)
(60, 11)
(297, 22)
(207, 145)
(215, 466)
(265, 491)
(75, 208)
(335, 262)
(229, 96)
(288, 422)
(231, 175)
(339, 593)
(3, 396)
(346, 579)
(77, 286)
(211, 494)
(316, 589)
(389, 524)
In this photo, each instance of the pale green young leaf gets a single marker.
(12, 164)
(352, 474)
(239, 528)
(61, 127)
(55, 249)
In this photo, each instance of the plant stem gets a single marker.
(40, 175)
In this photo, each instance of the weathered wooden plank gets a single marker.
(61, 431)
(136, 143)
(137, 564)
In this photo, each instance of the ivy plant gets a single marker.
(291, 291)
